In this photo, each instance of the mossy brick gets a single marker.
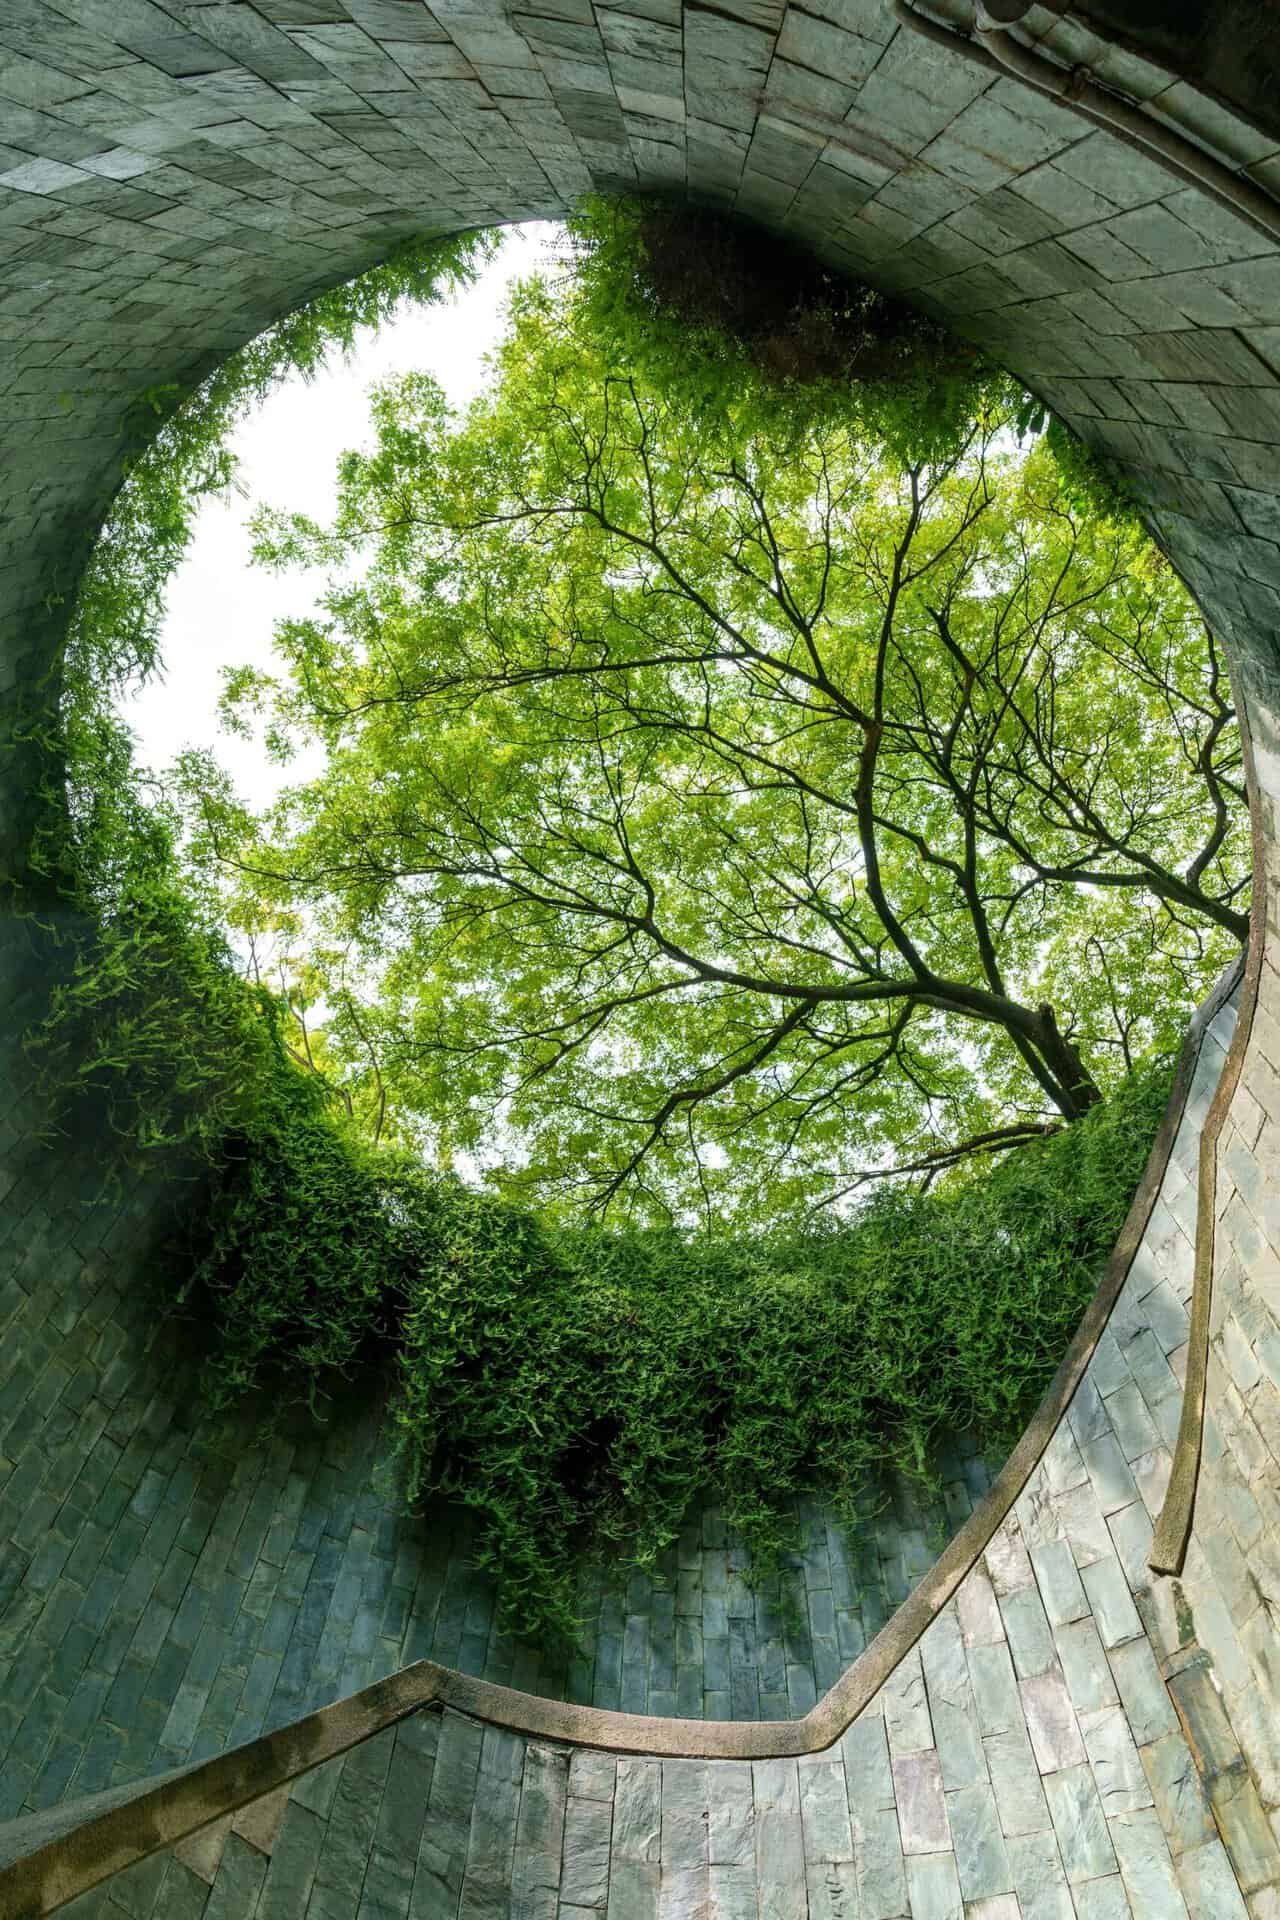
(125, 1696)
(175, 1590)
(84, 1707)
(162, 1534)
(165, 1674)
(287, 1887)
(125, 1544)
(13, 1569)
(226, 1597)
(260, 1591)
(15, 1783)
(183, 1895)
(136, 1890)
(236, 1889)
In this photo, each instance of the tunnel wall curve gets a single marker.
(1022, 1728)
(173, 176)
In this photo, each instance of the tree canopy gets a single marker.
(726, 804)
(733, 793)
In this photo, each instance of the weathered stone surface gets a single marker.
(175, 176)
(588, 1826)
(922, 1813)
(779, 1844)
(1079, 1823)
(1145, 1866)
(1208, 1883)
(824, 1811)
(1051, 1721)
(933, 1888)
(1178, 1792)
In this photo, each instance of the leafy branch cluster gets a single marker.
(703, 298)
(147, 1015)
(719, 811)
(704, 305)
(593, 719)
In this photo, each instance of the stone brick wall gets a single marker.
(172, 1585)
(172, 176)
(1031, 1757)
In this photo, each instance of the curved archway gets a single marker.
(173, 178)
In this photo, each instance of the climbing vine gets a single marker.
(570, 1385)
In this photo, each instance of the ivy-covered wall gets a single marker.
(170, 178)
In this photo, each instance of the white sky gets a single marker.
(221, 610)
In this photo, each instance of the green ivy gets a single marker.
(729, 315)
(147, 1017)
(569, 1385)
(579, 1388)
(733, 319)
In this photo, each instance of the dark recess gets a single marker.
(1227, 48)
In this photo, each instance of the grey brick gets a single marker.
(1080, 1824)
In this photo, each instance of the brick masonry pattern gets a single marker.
(181, 1585)
(172, 175)
(1026, 1759)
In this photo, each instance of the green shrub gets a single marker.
(585, 1385)
(706, 303)
(725, 314)
(576, 1387)
(571, 1386)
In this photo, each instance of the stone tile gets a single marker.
(1208, 1884)
(732, 1895)
(1030, 1641)
(1112, 1604)
(592, 1775)
(1015, 1779)
(1079, 1823)
(906, 1708)
(1246, 1833)
(637, 1807)
(1117, 1770)
(1084, 1666)
(1059, 1583)
(588, 1826)
(731, 1822)
(977, 1610)
(1038, 1878)
(1143, 1692)
(978, 1842)
(1178, 1792)
(779, 1851)
(879, 1866)
(832, 1888)
(951, 1703)
(1063, 1464)
(635, 1894)
(1145, 1867)
(1132, 1422)
(1131, 1533)
(824, 1811)
(1051, 1722)
(1007, 1561)
(1084, 1525)
(922, 1814)
(868, 1774)
(933, 1888)
(995, 1688)
(684, 1834)
(1102, 1899)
